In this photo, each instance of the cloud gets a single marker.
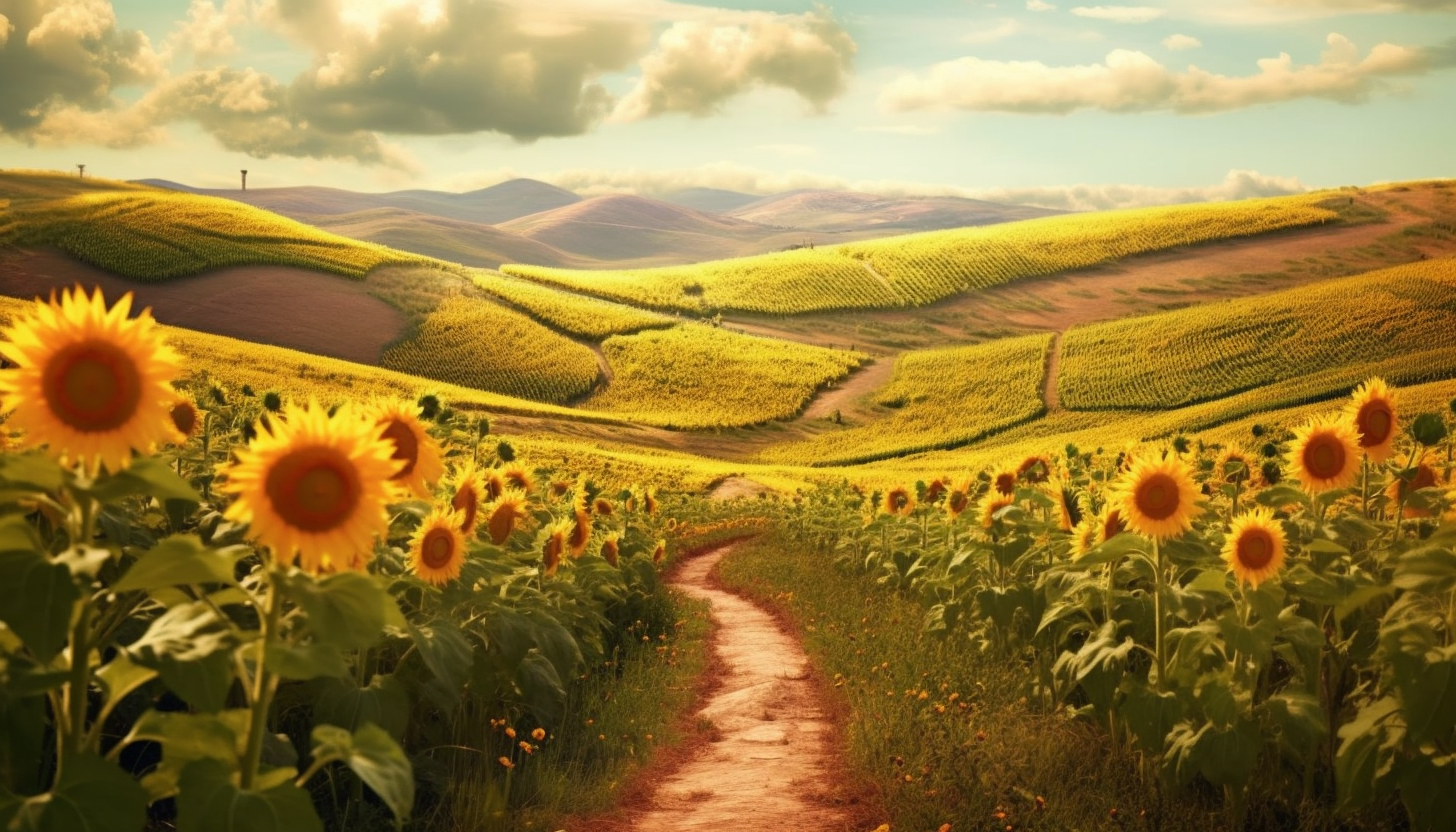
(1237, 184)
(787, 149)
(1131, 81)
(64, 55)
(1119, 14)
(1004, 29)
(697, 65)
(898, 129)
(207, 33)
(1178, 43)
(1364, 5)
(1039, 6)
(6, 27)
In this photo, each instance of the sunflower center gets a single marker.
(92, 386)
(1157, 497)
(1113, 526)
(184, 416)
(437, 549)
(1255, 549)
(314, 489)
(406, 446)
(501, 523)
(1375, 422)
(466, 501)
(1324, 457)
(1005, 483)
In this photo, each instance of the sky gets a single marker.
(1043, 102)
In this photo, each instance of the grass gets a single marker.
(1212, 351)
(478, 343)
(152, 234)
(917, 269)
(697, 376)
(941, 398)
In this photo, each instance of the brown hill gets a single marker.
(845, 211)
(468, 243)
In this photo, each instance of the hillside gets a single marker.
(841, 211)
(456, 241)
(710, 200)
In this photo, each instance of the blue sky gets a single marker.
(1054, 103)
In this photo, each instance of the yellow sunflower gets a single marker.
(502, 515)
(1034, 469)
(418, 452)
(1400, 490)
(659, 552)
(1255, 547)
(934, 490)
(1325, 454)
(956, 502)
(602, 507)
(558, 488)
(184, 417)
(518, 476)
(581, 528)
(1372, 412)
(898, 501)
(1110, 525)
(992, 503)
(554, 547)
(1158, 498)
(314, 486)
(1069, 508)
(649, 500)
(1233, 465)
(1005, 483)
(611, 549)
(469, 494)
(1084, 536)
(90, 384)
(495, 484)
(438, 548)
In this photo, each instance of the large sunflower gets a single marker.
(1255, 547)
(469, 494)
(1400, 490)
(314, 486)
(438, 548)
(1158, 498)
(898, 501)
(90, 384)
(1372, 412)
(1325, 454)
(418, 452)
(502, 515)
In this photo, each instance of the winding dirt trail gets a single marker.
(870, 377)
(1049, 379)
(772, 769)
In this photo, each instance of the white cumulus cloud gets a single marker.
(1119, 14)
(1039, 5)
(1179, 43)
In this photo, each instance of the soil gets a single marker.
(863, 381)
(734, 487)
(1049, 376)
(772, 766)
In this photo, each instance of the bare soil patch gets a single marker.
(287, 307)
(863, 381)
(734, 487)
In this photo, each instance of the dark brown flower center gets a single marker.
(1324, 456)
(1374, 422)
(467, 502)
(314, 489)
(1254, 549)
(1157, 497)
(437, 549)
(406, 447)
(92, 386)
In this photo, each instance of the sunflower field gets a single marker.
(917, 269)
(579, 315)
(1258, 640)
(221, 614)
(477, 343)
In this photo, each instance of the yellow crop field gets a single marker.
(697, 376)
(1305, 335)
(916, 269)
(476, 343)
(580, 315)
(151, 234)
(941, 398)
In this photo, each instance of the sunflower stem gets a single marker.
(77, 685)
(1161, 651)
(1365, 486)
(264, 683)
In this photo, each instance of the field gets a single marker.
(1090, 539)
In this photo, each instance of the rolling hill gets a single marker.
(846, 211)
(458, 241)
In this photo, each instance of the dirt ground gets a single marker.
(319, 313)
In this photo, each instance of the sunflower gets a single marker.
(934, 490)
(659, 552)
(1069, 508)
(554, 546)
(469, 494)
(898, 502)
(1234, 465)
(602, 507)
(494, 483)
(611, 549)
(184, 417)
(1372, 412)
(1400, 489)
(992, 503)
(502, 514)
(1110, 525)
(1158, 498)
(558, 488)
(1034, 469)
(517, 476)
(1325, 454)
(956, 502)
(89, 383)
(1005, 483)
(1255, 547)
(581, 528)
(416, 450)
(1084, 536)
(315, 486)
(438, 548)
(649, 500)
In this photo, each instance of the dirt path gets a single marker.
(866, 379)
(772, 768)
(1049, 378)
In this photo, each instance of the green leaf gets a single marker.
(146, 477)
(1426, 685)
(1431, 569)
(1366, 758)
(186, 632)
(1426, 787)
(541, 687)
(1298, 720)
(347, 610)
(446, 652)
(1223, 757)
(209, 802)
(36, 597)
(371, 753)
(385, 703)
(180, 560)
(92, 795)
(1279, 496)
(306, 661)
(121, 676)
(1149, 714)
(202, 683)
(38, 471)
(185, 737)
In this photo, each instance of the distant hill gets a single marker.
(489, 206)
(468, 243)
(812, 210)
(711, 200)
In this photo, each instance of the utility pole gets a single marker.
(245, 180)
(82, 173)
